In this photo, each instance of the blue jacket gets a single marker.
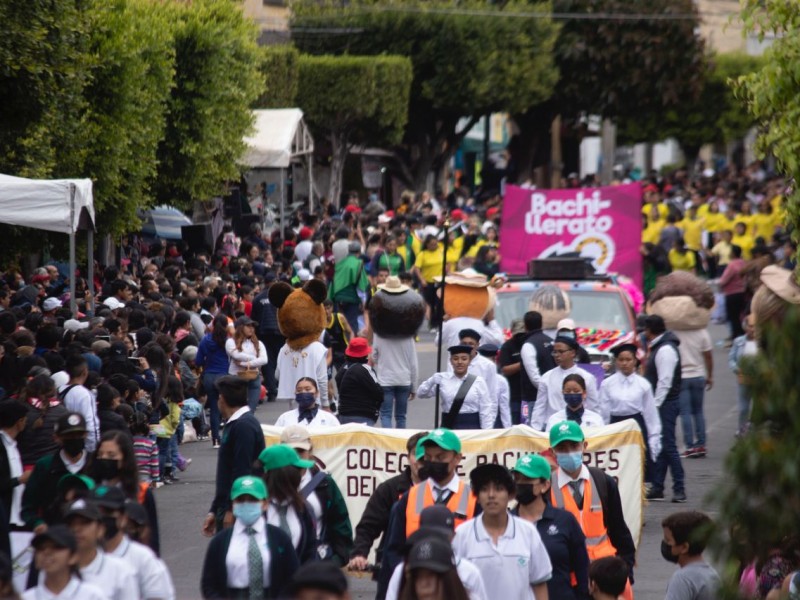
(211, 357)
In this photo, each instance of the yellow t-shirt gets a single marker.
(473, 250)
(663, 210)
(454, 252)
(416, 244)
(747, 220)
(429, 262)
(764, 226)
(722, 250)
(746, 243)
(652, 232)
(702, 210)
(715, 222)
(682, 262)
(693, 232)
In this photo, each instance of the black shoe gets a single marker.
(678, 497)
(655, 495)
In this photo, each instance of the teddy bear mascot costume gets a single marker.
(301, 319)
(395, 314)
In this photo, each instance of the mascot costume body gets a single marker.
(396, 313)
(469, 300)
(301, 319)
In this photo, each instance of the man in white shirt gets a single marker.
(151, 573)
(111, 574)
(477, 409)
(79, 399)
(499, 543)
(549, 397)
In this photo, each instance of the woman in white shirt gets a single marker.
(247, 355)
(307, 413)
(574, 391)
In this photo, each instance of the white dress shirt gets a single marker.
(292, 365)
(295, 527)
(112, 575)
(490, 334)
(236, 559)
(503, 393)
(15, 470)
(527, 356)
(75, 590)
(478, 399)
(550, 399)
(246, 357)
(666, 360)
(322, 419)
(563, 479)
(623, 396)
(451, 486)
(151, 572)
(588, 419)
(244, 409)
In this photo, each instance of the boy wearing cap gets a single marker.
(465, 398)
(111, 574)
(251, 559)
(56, 560)
(549, 396)
(498, 542)
(560, 531)
(591, 496)
(38, 507)
(151, 573)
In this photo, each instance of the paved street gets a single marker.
(182, 506)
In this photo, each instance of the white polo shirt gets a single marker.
(468, 573)
(75, 590)
(151, 572)
(236, 559)
(112, 575)
(520, 556)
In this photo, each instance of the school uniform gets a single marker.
(468, 573)
(75, 590)
(479, 409)
(314, 417)
(226, 567)
(520, 556)
(566, 546)
(584, 417)
(299, 527)
(152, 574)
(550, 399)
(113, 575)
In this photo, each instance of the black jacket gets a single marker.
(111, 421)
(614, 519)
(242, 442)
(265, 314)
(283, 564)
(375, 518)
(651, 372)
(566, 545)
(544, 360)
(40, 502)
(37, 439)
(359, 393)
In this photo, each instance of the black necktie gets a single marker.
(307, 415)
(576, 493)
(442, 496)
(575, 415)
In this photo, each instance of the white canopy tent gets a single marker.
(279, 137)
(61, 205)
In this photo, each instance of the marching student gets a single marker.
(573, 389)
(252, 559)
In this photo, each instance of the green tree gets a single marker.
(469, 57)
(279, 69)
(352, 99)
(217, 80)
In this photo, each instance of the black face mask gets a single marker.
(666, 552)
(525, 493)
(106, 468)
(74, 447)
(111, 526)
(438, 471)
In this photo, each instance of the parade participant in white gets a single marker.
(308, 412)
(574, 391)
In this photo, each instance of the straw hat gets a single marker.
(782, 283)
(467, 278)
(393, 285)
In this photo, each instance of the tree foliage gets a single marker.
(279, 70)
(353, 99)
(772, 94)
(469, 58)
(217, 81)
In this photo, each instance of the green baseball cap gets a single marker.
(75, 480)
(565, 431)
(279, 456)
(249, 486)
(533, 466)
(442, 437)
(419, 453)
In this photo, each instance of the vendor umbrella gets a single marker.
(163, 222)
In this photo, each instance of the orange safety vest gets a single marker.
(461, 504)
(597, 543)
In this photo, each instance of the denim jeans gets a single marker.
(253, 393)
(395, 397)
(344, 420)
(692, 419)
(669, 457)
(211, 401)
(744, 407)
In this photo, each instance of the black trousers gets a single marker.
(273, 342)
(734, 307)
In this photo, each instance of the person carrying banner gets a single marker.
(466, 400)
(591, 496)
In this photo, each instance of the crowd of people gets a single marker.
(173, 342)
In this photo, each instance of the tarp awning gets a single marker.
(46, 204)
(164, 222)
(279, 135)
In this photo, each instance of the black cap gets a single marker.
(109, 496)
(324, 576)
(488, 350)
(488, 473)
(460, 349)
(432, 553)
(60, 535)
(241, 321)
(569, 341)
(83, 508)
(136, 512)
(616, 350)
(424, 533)
(469, 333)
(70, 423)
(437, 516)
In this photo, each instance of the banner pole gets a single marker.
(446, 227)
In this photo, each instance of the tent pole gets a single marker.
(72, 302)
(310, 158)
(90, 268)
(283, 201)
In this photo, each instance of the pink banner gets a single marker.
(604, 224)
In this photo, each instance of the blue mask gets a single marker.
(573, 400)
(247, 512)
(570, 461)
(305, 400)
